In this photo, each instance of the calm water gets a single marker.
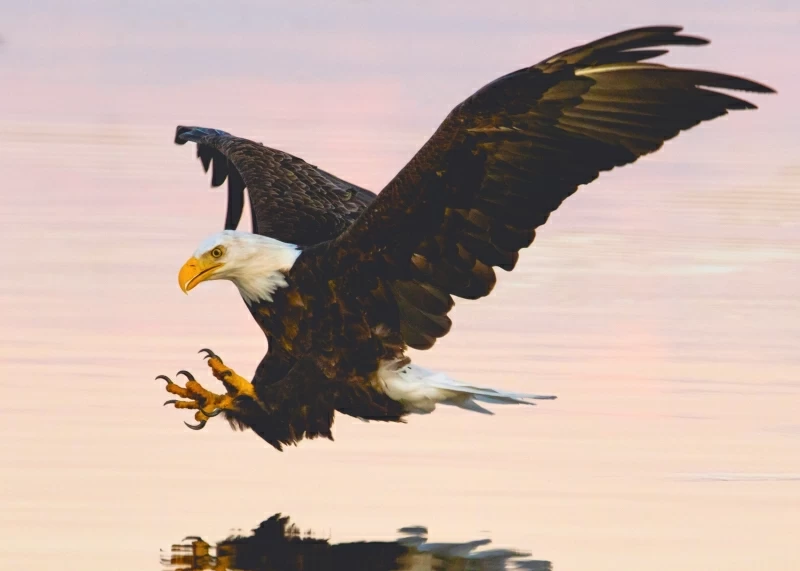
(660, 304)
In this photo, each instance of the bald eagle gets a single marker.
(343, 281)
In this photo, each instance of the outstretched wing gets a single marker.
(507, 157)
(290, 200)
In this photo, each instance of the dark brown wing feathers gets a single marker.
(510, 154)
(290, 200)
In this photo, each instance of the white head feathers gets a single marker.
(256, 264)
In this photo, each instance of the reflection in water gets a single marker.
(278, 545)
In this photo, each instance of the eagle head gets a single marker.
(256, 264)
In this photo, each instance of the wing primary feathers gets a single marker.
(615, 46)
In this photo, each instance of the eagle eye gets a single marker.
(216, 252)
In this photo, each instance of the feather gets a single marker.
(420, 390)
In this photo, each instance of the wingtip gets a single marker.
(736, 83)
(761, 88)
(184, 134)
(674, 32)
(743, 84)
(179, 131)
(689, 40)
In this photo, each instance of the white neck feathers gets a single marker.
(265, 271)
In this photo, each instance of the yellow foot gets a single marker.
(234, 384)
(206, 403)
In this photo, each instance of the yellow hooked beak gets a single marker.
(195, 271)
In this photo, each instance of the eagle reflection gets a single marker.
(279, 545)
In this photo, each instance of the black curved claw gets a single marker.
(166, 378)
(195, 426)
(209, 354)
(212, 414)
(173, 401)
(186, 374)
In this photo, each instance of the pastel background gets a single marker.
(660, 303)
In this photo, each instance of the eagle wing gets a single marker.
(290, 200)
(507, 157)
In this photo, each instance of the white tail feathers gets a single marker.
(420, 390)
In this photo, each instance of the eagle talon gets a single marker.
(209, 354)
(186, 374)
(213, 413)
(171, 401)
(198, 426)
(165, 378)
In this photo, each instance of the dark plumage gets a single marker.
(290, 200)
(378, 275)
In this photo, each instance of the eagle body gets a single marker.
(343, 281)
(337, 345)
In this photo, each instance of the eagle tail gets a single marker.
(420, 390)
